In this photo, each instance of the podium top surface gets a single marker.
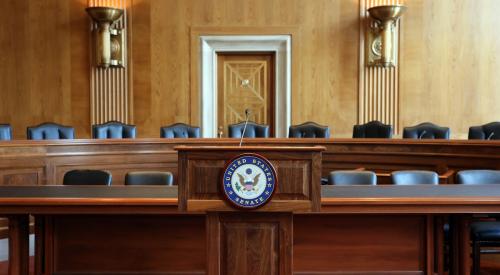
(252, 148)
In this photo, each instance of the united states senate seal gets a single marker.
(249, 181)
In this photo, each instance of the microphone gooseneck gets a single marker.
(422, 134)
(247, 115)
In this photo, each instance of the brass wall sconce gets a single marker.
(381, 43)
(109, 41)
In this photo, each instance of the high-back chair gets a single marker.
(483, 233)
(180, 130)
(87, 177)
(426, 130)
(352, 177)
(149, 178)
(113, 129)
(486, 131)
(372, 129)
(309, 130)
(49, 130)
(5, 132)
(414, 177)
(253, 130)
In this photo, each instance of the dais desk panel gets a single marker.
(113, 223)
(24, 162)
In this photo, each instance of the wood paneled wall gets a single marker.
(325, 74)
(447, 71)
(449, 58)
(44, 64)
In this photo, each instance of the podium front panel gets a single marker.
(298, 171)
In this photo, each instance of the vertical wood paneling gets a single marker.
(44, 67)
(378, 87)
(450, 64)
(324, 74)
(109, 89)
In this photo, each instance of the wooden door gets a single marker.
(245, 81)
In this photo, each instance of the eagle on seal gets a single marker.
(249, 185)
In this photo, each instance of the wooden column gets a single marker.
(249, 243)
(19, 245)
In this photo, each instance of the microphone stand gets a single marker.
(247, 115)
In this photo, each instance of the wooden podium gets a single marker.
(241, 241)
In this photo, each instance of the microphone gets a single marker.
(422, 134)
(491, 135)
(247, 115)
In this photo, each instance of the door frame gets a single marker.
(211, 45)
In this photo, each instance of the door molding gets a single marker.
(210, 45)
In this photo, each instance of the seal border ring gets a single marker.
(226, 196)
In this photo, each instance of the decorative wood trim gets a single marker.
(378, 87)
(110, 95)
(211, 45)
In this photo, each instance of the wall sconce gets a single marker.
(381, 43)
(109, 41)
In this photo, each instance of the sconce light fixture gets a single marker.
(109, 41)
(381, 41)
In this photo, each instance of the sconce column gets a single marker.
(378, 68)
(104, 44)
(387, 43)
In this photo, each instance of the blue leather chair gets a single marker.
(253, 130)
(483, 233)
(413, 177)
(50, 130)
(87, 177)
(352, 177)
(486, 131)
(372, 129)
(180, 130)
(426, 130)
(113, 129)
(5, 132)
(149, 178)
(308, 130)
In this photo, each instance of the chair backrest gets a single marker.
(426, 130)
(414, 177)
(309, 130)
(372, 129)
(5, 132)
(180, 130)
(113, 129)
(352, 178)
(149, 178)
(486, 131)
(87, 177)
(50, 130)
(253, 130)
(472, 177)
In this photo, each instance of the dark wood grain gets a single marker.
(360, 244)
(51, 159)
(120, 244)
(203, 166)
(18, 245)
(249, 243)
(322, 240)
